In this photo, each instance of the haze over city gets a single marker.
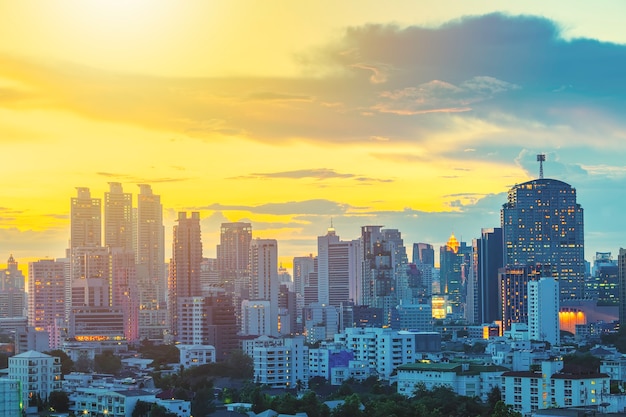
(418, 116)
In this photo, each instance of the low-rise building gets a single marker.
(527, 391)
(468, 379)
(194, 355)
(120, 403)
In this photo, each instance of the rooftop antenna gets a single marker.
(541, 158)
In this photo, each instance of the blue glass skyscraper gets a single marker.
(543, 224)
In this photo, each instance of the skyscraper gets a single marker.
(424, 260)
(454, 265)
(490, 258)
(85, 218)
(46, 298)
(543, 224)
(118, 221)
(185, 264)
(378, 274)
(513, 288)
(233, 252)
(264, 284)
(150, 259)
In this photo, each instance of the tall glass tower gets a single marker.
(543, 224)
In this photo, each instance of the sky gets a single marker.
(413, 115)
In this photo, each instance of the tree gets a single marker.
(107, 363)
(503, 410)
(240, 365)
(83, 363)
(494, 396)
(142, 409)
(67, 364)
(585, 362)
(202, 403)
(59, 401)
(350, 408)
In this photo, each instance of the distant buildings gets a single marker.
(12, 291)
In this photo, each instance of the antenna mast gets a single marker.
(541, 158)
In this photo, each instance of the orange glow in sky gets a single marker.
(260, 111)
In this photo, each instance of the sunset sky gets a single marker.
(415, 115)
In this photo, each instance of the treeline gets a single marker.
(375, 401)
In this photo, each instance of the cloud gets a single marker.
(138, 180)
(271, 96)
(314, 173)
(317, 207)
(511, 72)
(441, 97)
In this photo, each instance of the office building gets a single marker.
(489, 259)
(513, 288)
(543, 224)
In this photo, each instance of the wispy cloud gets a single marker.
(314, 173)
(317, 207)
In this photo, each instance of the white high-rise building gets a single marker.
(255, 318)
(264, 277)
(40, 374)
(543, 310)
(323, 280)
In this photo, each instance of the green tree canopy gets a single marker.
(107, 363)
(67, 364)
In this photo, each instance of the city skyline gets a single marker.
(417, 117)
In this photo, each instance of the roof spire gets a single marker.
(541, 158)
